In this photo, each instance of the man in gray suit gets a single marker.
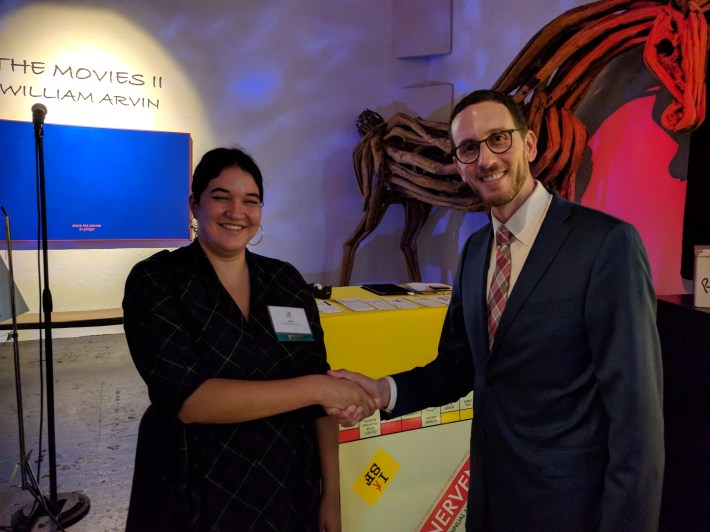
(554, 330)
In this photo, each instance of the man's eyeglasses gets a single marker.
(499, 142)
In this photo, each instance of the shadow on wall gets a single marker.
(439, 247)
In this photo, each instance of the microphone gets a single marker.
(38, 112)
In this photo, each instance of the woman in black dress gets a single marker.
(236, 436)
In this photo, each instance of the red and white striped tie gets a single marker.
(500, 283)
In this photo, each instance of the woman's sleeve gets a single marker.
(157, 336)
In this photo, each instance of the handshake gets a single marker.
(351, 397)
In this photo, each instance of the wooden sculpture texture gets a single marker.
(407, 160)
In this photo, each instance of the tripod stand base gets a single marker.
(68, 509)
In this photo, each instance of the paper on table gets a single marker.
(327, 308)
(380, 304)
(401, 303)
(427, 301)
(355, 304)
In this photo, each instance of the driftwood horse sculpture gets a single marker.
(407, 160)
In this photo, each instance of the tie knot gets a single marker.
(503, 236)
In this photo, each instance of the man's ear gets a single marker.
(459, 167)
(530, 145)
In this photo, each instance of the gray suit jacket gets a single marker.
(567, 432)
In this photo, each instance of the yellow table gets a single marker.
(404, 474)
(380, 342)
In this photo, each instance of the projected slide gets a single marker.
(101, 184)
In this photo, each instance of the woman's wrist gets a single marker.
(316, 388)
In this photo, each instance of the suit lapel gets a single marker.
(553, 232)
(475, 277)
(480, 279)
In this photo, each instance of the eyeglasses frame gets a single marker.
(479, 142)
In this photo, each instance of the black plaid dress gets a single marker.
(182, 328)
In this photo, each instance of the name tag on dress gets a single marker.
(291, 324)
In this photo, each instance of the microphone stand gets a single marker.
(64, 509)
(16, 352)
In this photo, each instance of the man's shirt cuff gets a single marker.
(393, 394)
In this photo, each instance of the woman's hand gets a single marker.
(343, 394)
(377, 389)
(330, 519)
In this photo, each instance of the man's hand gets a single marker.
(344, 395)
(377, 389)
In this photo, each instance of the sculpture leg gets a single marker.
(416, 214)
(371, 218)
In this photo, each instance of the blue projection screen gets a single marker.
(101, 184)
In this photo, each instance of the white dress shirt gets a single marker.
(524, 225)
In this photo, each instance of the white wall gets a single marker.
(286, 79)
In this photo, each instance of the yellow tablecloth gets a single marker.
(380, 342)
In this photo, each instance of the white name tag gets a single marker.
(291, 324)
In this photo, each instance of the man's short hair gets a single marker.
(485, 95)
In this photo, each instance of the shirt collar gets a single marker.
(524, 222)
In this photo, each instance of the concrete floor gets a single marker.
(99, 400)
